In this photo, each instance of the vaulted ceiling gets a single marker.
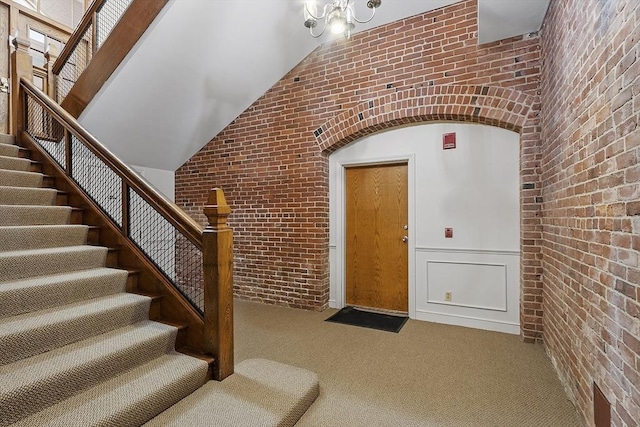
(203, 62)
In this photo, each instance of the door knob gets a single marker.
(406, 227)
(405, 239)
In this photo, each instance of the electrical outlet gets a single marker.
(447, 296)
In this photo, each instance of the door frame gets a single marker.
(338, 263)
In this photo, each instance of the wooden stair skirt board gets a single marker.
(80, 350)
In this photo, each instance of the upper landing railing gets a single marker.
(108, 31)
(96, 25)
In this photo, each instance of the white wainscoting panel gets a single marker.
(484, 287)
(469, 284)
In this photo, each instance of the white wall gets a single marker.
(473, 189)
(501, 19)
(198, 66)
(162, 180)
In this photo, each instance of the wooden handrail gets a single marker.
(77, 35)
(170, 211)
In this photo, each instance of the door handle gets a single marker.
(405, 239)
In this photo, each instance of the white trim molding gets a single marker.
(469, 322)
(337, 224)
(503, 285)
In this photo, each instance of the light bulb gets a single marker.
(338, 27)
(337, 21)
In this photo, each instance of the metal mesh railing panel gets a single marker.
(107, 18)
(46, 131)
(175, 255)
(100, 183)
(75, 65)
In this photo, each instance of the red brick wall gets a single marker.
(591, 183)
(275, 172)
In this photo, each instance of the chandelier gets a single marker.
(338, 16)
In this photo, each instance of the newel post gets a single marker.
(217, 258)
(21, 66)
(51, 56)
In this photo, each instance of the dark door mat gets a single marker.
(366, 319)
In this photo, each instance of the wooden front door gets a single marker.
(376, 254)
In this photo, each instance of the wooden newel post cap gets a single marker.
(217, 210)
(52, 54)
(21, 44)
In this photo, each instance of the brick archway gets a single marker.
(494, 106)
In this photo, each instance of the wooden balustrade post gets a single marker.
(21, 66)
(53, 129)
(51, 55)
(94, 34)
(217, 254)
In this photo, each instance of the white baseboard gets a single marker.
(469, 322)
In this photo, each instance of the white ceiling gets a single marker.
(203, 62)
(500, 19)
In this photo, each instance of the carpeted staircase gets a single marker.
(75, 348)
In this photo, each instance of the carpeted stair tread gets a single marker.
(14, 163)
(36, 383)
(129, 399)
(77, 350)
(34, 333)
(260, 393)
(9, 150)
(9, 178)
(34, 215)
(7, 139)
(16, 238)
(17, 265)
(40, 293)
(27, 196)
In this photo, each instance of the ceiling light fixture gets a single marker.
(338, 15)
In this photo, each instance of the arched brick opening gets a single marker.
(501, 107)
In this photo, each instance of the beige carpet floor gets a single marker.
(427, 375)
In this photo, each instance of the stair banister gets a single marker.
(109, 29)
(215, 241)
(176, 216)
(88, 19)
